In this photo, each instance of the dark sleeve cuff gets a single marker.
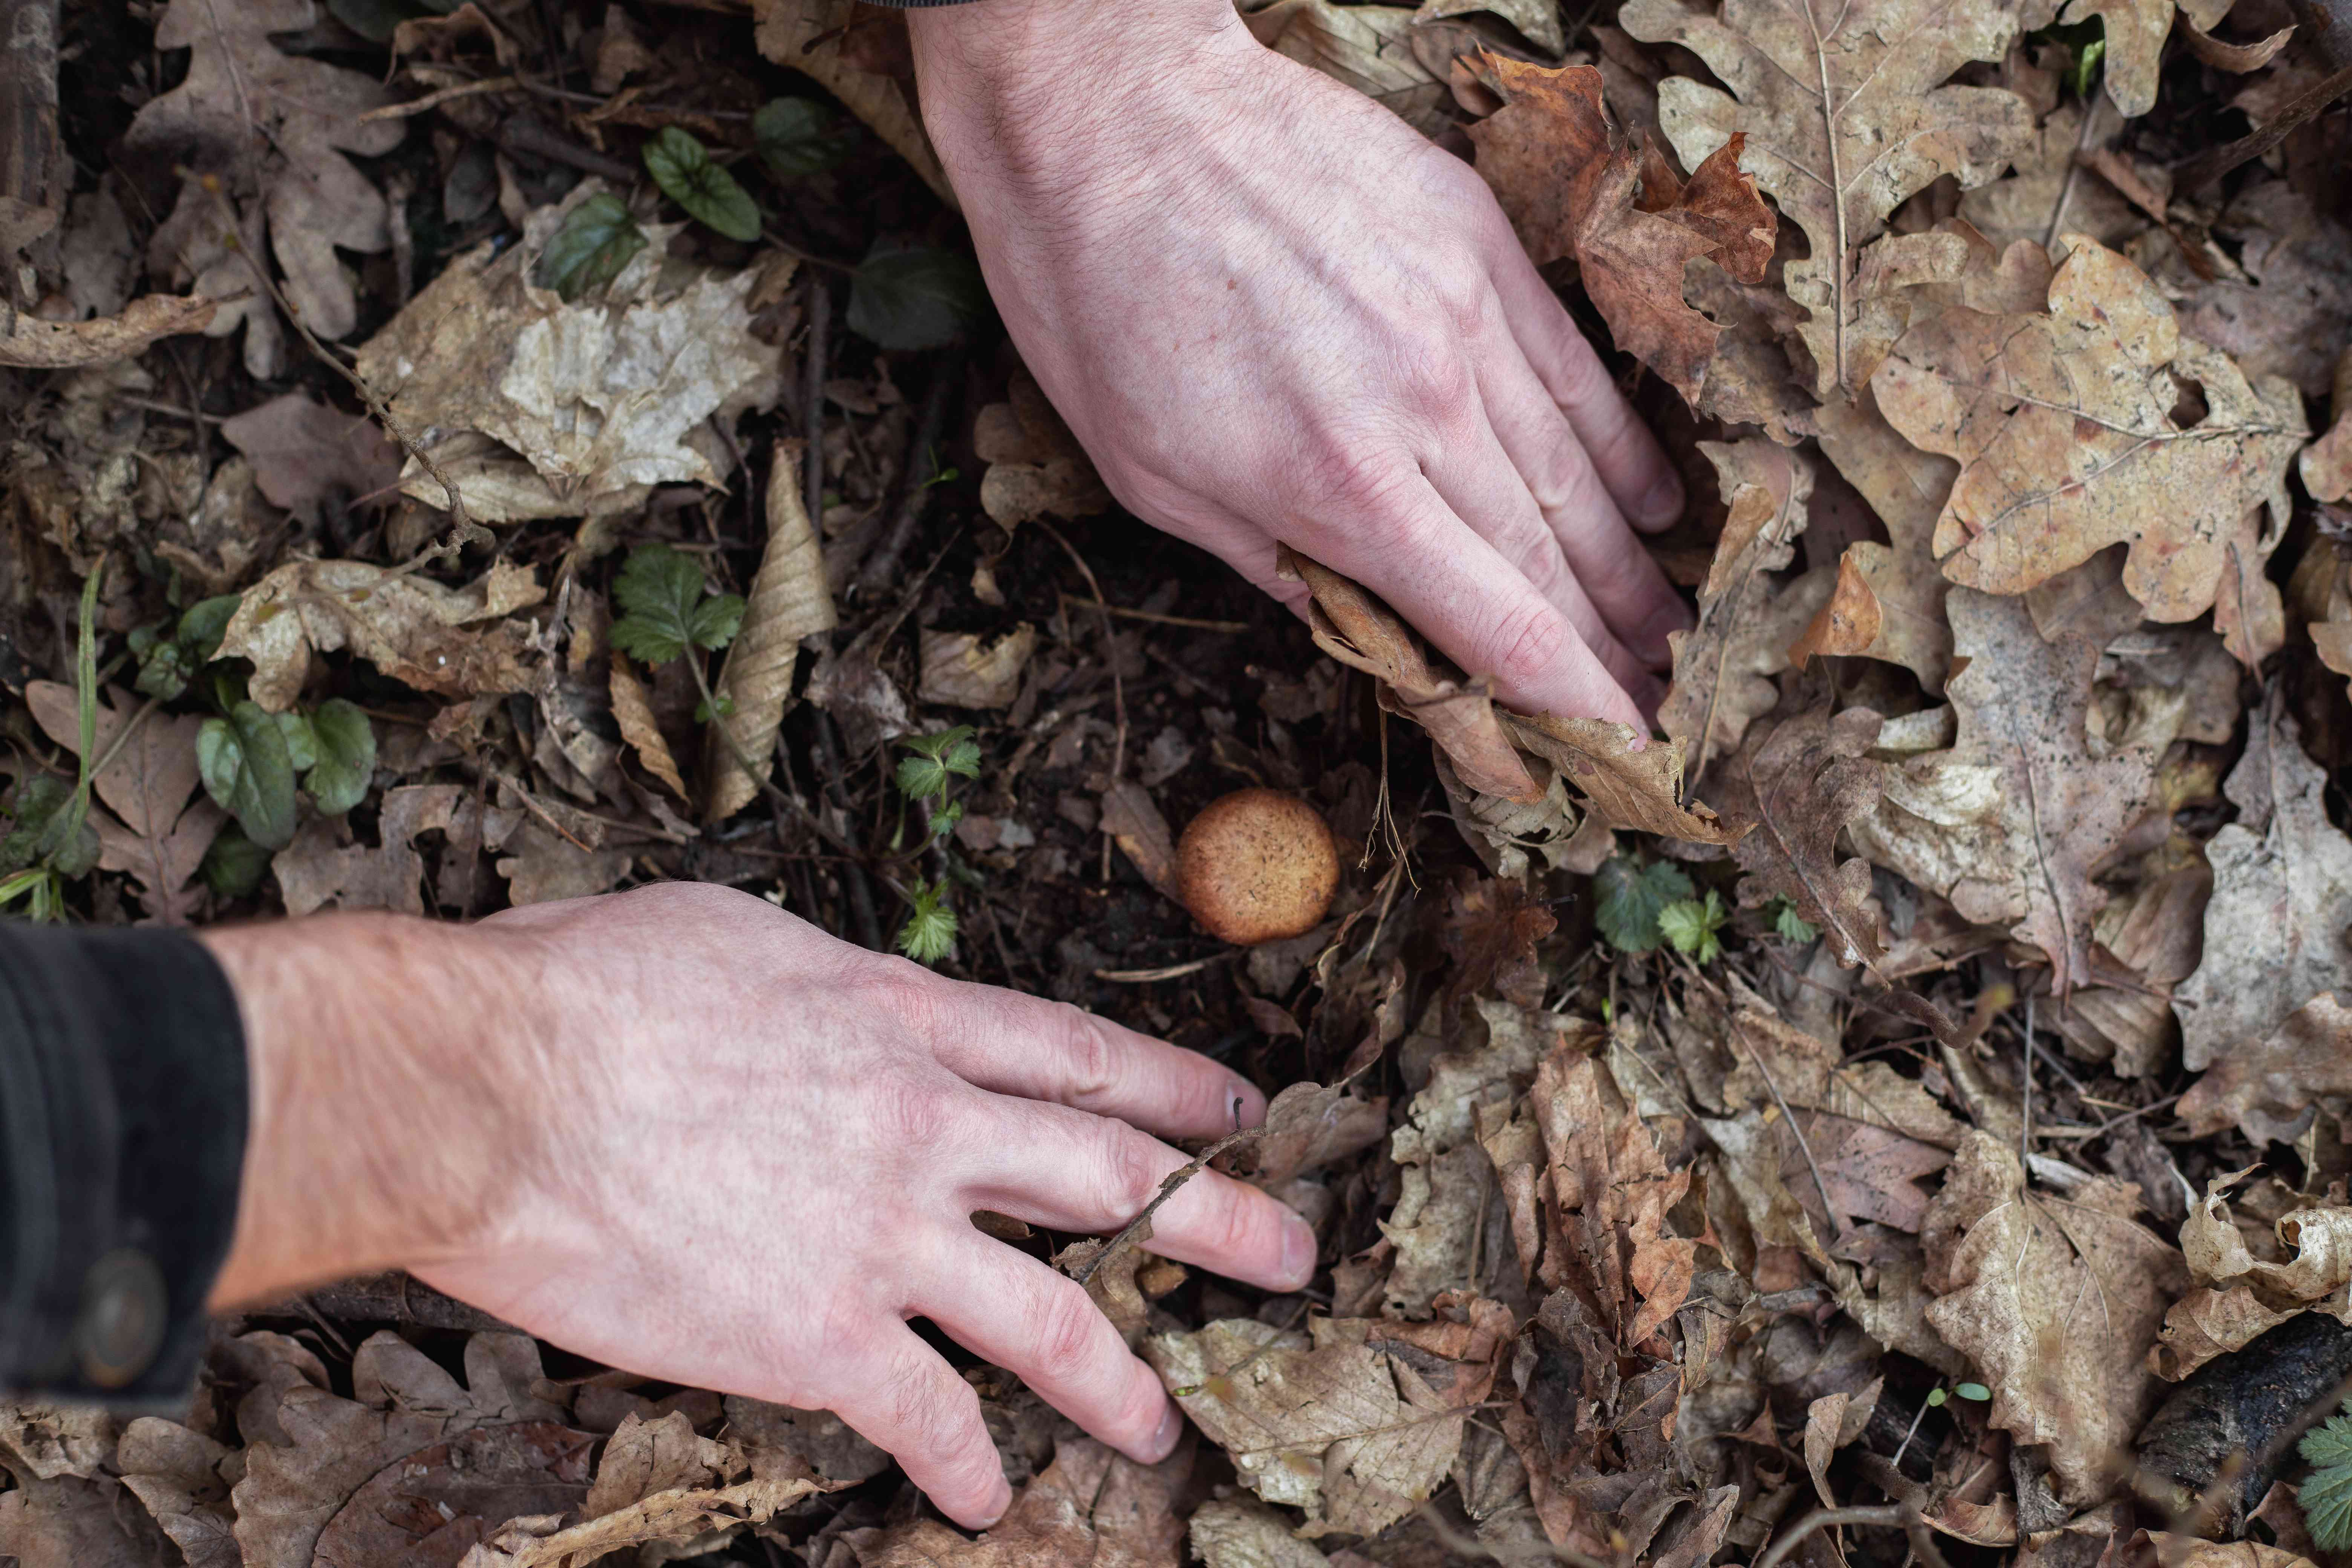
(918, 5)
(122, 1127)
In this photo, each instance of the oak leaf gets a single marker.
(2064, 427)
(2271, 1085)
(1841, 126)
(1089, 1508)
(1888, 603)
(154, 832)
(2135, 31)
(1638, 791)
(2013, 819)
(1613, 1192)
(2326, 463)
(1573, 187)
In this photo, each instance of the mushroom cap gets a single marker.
(1257, 865)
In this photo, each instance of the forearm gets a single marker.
(387, 1057)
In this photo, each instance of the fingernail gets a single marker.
(1164, 1436)
(1664, 503)
(999, 1499)
(1298, 1250)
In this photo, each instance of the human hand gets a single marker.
(1271, 310)
(689, 1135)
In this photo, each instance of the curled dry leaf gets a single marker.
(788, 601)
(965, 669)
(2063, 424)
(33, 344)
(1368, 48)
(2056, 1300)
(2276, 927)
(2238, 1297)
(1090, 1506)
(632, 710)
(1842, 127)
(319, 869)
(408, 627)
(1746, 621)
(830, 41)
(2326, 463)
(1036, 466)
(1888, 601)
(1238, 1533)
(2271, 1086)
(2011, 821)
(1637, 791)
(2136, 31)
(1573, 188)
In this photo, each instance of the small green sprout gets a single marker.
(927, 778)
(1691, 926)
(1787, 923)
(2326, 1495)
(1627, 897)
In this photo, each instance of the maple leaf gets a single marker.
(2062, 425)
(1845, 116)
(2011, 822)
(1724, 665)
(1572, 187)
(273, 128)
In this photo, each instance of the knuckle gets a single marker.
(1526, 641)
(1433, 368)
(1130, 1172)
(1092, 1058)
(1352, 477)
(904, 991)
(1069, 1333)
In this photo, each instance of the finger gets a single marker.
(1010, 1044)
(1631, 463)
(1608, 562)
(1479, 610)
(1023, 1316)
(1473, 471)
(907, 1401)
(1066, 1169)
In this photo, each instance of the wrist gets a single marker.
(385, 1056)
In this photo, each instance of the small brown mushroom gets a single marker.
(1256, 865)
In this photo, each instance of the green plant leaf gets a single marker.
(301, 741)
(1691, 925)
(337, 781)
(1627, 897)
(169, 660)
(681, 166)
(2327, 1494)
(43, 832)
(920, 778)
(234, 864)
(715, 621)
(1789, 924)
(246, 767)
(1936, 1398)
(929, 932)
(920, 298)
(797, 137)
(661, 592)
(943, 821)
(597, 239)
(1973, 1391)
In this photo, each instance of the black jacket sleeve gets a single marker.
(122, 1127)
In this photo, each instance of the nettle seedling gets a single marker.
(667, 611)
(927, 779)
(2325, 1496)
(1639, 908)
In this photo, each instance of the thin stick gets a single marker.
(1231, 628)
(1172, 972)
(1822, 1519)
(2025, 1123)
(1168, 1189)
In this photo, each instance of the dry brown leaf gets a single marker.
(2326, 463)
(2238, 1297)
(632, 710)
(52, 1440)
(76, 1523)
(1831, 1422)
(1348, 1431)
(1746, 621)
(157, 832)
(1036, 466)
(2271, 1084)
(1888, 601)
(2275, 930)
(182, 1477)
(34, 343)
(536, 409)
(1309, 1125)
(1614, 1193)
(1810, 778)
(1237, 1532)
(823, 39)
(246, 113)
(408, 627)
(2063, 424)
(1368, 48)
(788, 601)
(1572, 188)
(305, 454)
(2056, 1300)
(546, 867)
(828, 1444)
(1632, 791)
(1089, 1508)
(2159, 1549)
(965, 669)
(2011, 822)
(322, 868)
(1134, 823)
(2288, 309)
(1362, 633)
(2136, 31)
(1842, 127)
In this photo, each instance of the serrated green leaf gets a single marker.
(2327, 1494)
(797, 137)
(658, 588)
(246, 767)
(916, 298)
(962, 759)
(1689, 926)
(921, 777)
(1627, 897)
(337, 781)
(233, 865)
(1789, 924)
(715, 621)
(929, 932)
(943, 821)
(597, 239)
(301, 741)
(681, 166)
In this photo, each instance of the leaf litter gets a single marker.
(1797, 1110)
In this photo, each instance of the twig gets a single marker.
(438, 97)
(916, 492)
(820, 309)
(1821, 1518)
(1110, 660)
(1171, 972)
(527, 136)
(1168, 1189)
(1232, 628)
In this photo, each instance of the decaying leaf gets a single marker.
(2063, 424)
(1746, 620)
(963, 669)
(33, 344)
(788, 601)
(305, 454)
(2238, 1297)
(1036, 466)
(1090, 1506)
(828, 39)
(2135, 31)
(2013, 821)
(1888, 601)
(1240, 1533)
(632, 710)
(2056, 1300)
(407, 626)
(1638, 791)
(1368, 47)
(1809, 779)
(155, 831)
(2271, 1086)
(2278, 929)
(1842, 127)
(2326, 463)
(1573, 188)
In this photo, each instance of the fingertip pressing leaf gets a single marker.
(344, 756)
(597, 239)
(683, 168)
(797, 137)
(921, 297)
(1628, 896)
(247, 768)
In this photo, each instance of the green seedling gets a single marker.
(598, 238)
(2327, 1494)
(50, 841)
(1787, 923)
(682, 166)
(667, 611)
(927, 778)
(1692, 927)
(1628, 896)
(250, 760)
